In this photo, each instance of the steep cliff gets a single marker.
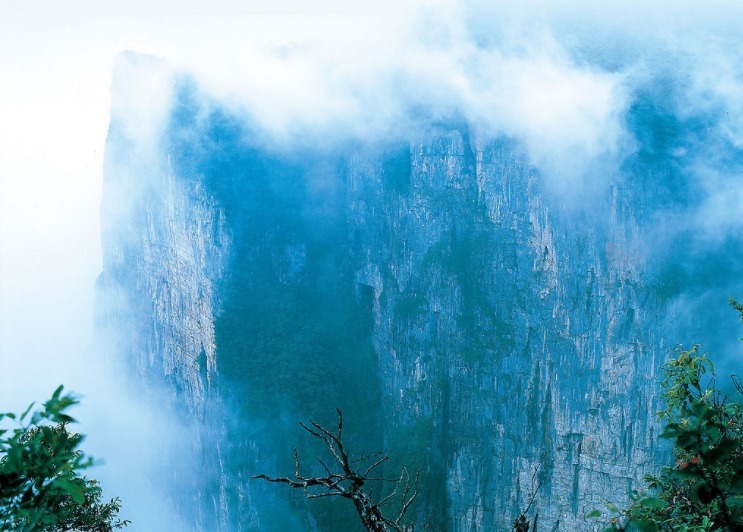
(467, 319)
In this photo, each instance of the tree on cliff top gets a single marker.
(40, 484)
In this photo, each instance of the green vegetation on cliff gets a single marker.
(703, 489)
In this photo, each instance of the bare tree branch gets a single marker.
(522, 523)
(351, 481)
(366, 457)
(375, 464)
(407, 500)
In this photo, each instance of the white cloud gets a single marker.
(568, 114)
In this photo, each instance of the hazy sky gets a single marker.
(56, 60)
(353, 65)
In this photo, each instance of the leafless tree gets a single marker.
(351, 478)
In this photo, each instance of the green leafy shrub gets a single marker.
(40, 485)
(703, 489)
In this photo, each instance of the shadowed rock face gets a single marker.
(466, 319)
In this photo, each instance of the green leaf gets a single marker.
(64, 418)
(57, 393)
(654, 503)
(713, 432)
(737, 485)
(735, 503)
(594, 513)
(25, 413)
(644, 525)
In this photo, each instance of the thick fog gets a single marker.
(560, 80)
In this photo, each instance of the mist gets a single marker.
(562, 81)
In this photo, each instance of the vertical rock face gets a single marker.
(521, 335)
(465, 318)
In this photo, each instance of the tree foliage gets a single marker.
(703, 489)
(40, 483)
